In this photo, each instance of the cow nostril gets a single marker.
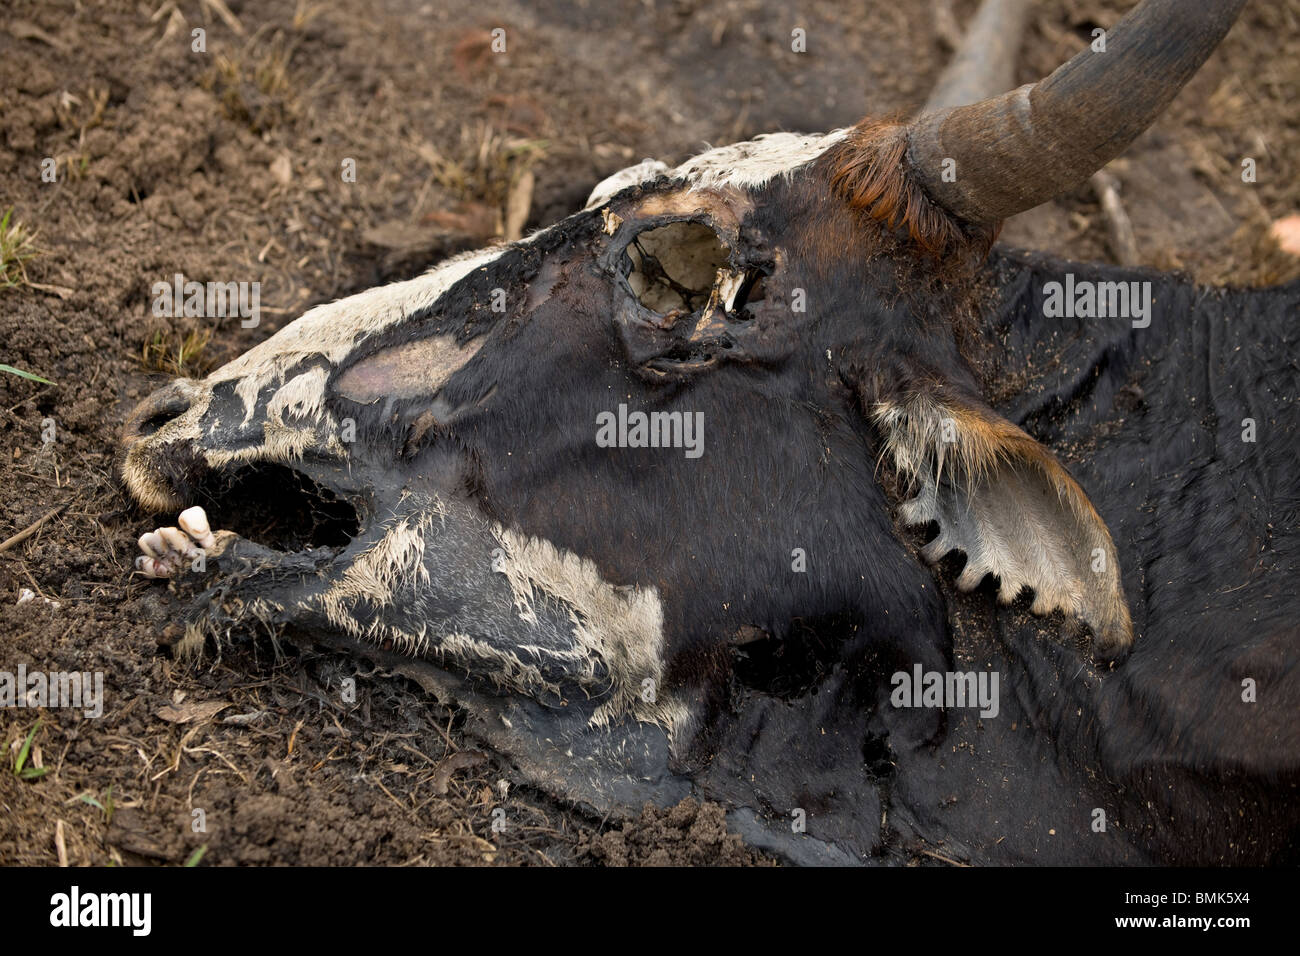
(157, 410)
(155, 422)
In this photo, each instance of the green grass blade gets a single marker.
(21, 374)
(26, 749)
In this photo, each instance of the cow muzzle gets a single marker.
(190, 444)
(160, 409)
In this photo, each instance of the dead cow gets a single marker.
(624, 488)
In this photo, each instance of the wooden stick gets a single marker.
(940, 856)
(60, 845)
(1123, 243)
(984, 63)
(30, 530)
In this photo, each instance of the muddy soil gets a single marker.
(226, 164)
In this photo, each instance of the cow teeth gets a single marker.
(729, 283)
(152, 544)
(152, 567)
(194, 522)
(177, 541)
(167, 550)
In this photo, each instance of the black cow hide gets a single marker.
(1167, 745)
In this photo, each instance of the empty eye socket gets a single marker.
(674, 267)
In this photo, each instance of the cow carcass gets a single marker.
(498, 494)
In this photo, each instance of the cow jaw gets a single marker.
(434, 579)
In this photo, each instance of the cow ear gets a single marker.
(1008, 504)
(411, 369)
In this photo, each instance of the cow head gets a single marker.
(594, 461)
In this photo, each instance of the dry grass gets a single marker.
(255, 86)
(184, 356)
(77, 114)
(17, 248)
(304, 13)
(482, 171)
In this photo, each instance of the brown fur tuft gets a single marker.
(869, 170)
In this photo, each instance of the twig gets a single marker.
(63, 292)
(30, 530)
(946, 859)
(1123, 243)
(60, 845)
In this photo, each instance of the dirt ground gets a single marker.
(225, 164)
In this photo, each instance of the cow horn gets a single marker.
(1023, 147)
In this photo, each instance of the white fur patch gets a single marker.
(331, 331)
(618, 632)
(622, 627)
(379, 574)
(743, 165)
(301, 397)
(648, 170)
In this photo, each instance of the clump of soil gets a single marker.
(689, 834)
